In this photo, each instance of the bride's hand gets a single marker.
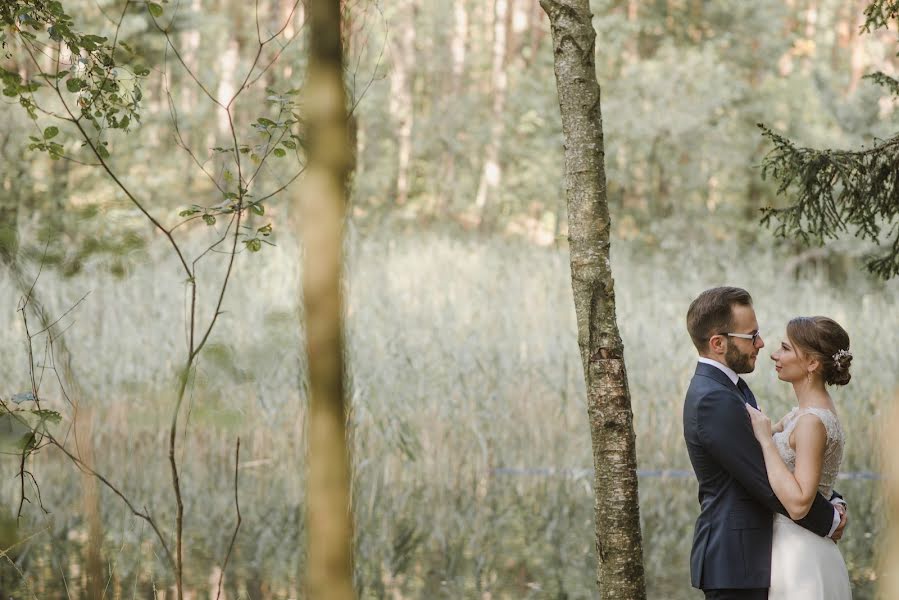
(761, 424)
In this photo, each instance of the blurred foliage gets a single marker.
(684, 85)
(834, 191)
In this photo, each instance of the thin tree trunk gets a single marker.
(401, 106)
(459, 52)
(810, 34)
(90, 501)
(226, 87)
(491, 174)
(857, 49)
(619, 545)
(321, 202)
(290, 16)
(190, 47)
(889, 568)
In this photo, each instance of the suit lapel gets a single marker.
(718, 375)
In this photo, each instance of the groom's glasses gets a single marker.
(746, 336)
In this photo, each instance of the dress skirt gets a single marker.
(805, 566)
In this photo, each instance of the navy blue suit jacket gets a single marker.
(732, 539)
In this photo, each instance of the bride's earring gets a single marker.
(809, 377)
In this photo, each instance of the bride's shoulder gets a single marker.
(820, 418)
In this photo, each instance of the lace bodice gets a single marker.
(833, 450)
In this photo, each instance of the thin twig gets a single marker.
(73, 307)
(236, 526)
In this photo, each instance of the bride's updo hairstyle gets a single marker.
(824, 340)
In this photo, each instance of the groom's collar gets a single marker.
(731, 374)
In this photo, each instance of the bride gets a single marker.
(802, 456)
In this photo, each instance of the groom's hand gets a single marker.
(844, 518)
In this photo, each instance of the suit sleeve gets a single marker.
(726, 432)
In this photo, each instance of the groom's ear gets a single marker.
(717, 344)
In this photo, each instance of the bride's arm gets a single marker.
(797, 490)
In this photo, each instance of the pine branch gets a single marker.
(879, 13)
(835, 191)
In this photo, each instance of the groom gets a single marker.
(731, 556)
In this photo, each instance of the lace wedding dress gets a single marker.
(805, 566)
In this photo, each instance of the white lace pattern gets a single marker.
(833, 450)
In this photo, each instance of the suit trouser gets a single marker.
(751, 594)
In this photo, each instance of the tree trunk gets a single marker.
(321, 202)
(857, 49)
(459, 51)
(401, 106)
(491, 174)
(889, 569)
(290, 15)
(619, 545)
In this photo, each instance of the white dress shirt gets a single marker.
(732, 375)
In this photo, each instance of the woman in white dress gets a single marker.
(802, 456)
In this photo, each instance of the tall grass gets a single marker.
(464, 362)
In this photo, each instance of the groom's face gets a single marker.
(741, 354)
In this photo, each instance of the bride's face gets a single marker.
(791, 364)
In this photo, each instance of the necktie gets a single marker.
(747, 395)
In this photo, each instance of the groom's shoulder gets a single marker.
(704, 386)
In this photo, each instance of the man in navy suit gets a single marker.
(731, 556)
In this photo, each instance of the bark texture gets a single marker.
(322, 203)
(889, 568)
(619, 546)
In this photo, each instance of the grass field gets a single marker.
(465, 382)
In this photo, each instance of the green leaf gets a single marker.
(49, 416)
(27, 442)
(210, 219)
(289, 144)
(74, 84)
(51, 132)
(279, 152)
(258, 209)
(228, 176)
(155, 9)
(265, 230)
(188, 212)
(253, 245)
(102, 151)
(141, 71)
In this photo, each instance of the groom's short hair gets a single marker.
(712, 313)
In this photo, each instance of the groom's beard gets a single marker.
(738, 361)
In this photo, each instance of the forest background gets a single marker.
(471, 450)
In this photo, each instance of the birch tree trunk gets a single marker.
(491, 174)
(321, 203)
(619, 546)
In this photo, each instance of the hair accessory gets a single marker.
(840, 357)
